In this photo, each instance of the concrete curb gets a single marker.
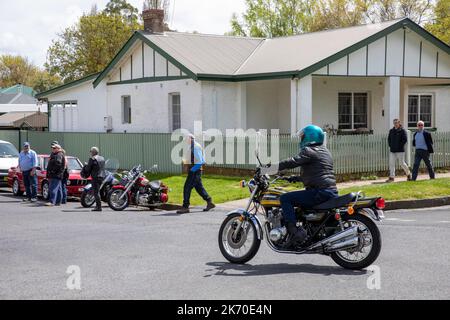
(417, 204)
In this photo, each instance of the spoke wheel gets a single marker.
(369, 246)
(87, 199)
(238, 247)
(115, 202)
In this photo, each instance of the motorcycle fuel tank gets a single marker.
(271, 198)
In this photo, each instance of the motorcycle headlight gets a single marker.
(251, 185)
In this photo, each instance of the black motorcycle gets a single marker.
(88, 197)
(343, 228)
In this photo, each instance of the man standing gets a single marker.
(55, 174)
(65, 176)
(96, 169)
(397, 140)
(27, 164)
(194, 178)
(424, 147)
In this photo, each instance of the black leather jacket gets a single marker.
(56, 166)
(96, 167)
(317, 167)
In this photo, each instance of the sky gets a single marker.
(27, 27)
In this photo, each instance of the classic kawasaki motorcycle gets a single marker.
(343, 228)
(135, 189)
(87, 196)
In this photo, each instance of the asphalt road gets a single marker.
(159, 255)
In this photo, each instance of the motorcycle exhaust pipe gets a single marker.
(344, 245)
(350, 232)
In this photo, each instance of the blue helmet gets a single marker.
(311, 135)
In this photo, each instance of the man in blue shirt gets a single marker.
(28, 162)
(194, 178)
(424, 147)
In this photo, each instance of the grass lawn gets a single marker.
(221, 189)
(405, 190)
(224, 189)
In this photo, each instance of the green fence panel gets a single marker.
(11, 136)
(351, 153)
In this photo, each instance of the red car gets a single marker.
(75, 184)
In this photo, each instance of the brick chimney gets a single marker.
(154, 20)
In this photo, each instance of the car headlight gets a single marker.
(68, 182)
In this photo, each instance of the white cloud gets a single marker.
(28, 27)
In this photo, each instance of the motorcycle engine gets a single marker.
(278, 232)
(143, 199)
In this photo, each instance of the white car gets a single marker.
(9, 157)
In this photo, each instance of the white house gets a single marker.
(350, 78)
(19, 98)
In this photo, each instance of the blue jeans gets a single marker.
(425, 156)
(305, 199)
(30, 183)
(194, 180)
(55, 188)
(64, 190)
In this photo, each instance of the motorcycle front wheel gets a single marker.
(87, 198)
(115, 202)
(242, 247)
(369, 244)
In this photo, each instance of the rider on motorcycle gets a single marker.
(317, 175)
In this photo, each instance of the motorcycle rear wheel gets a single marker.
(372, 232)
(230, 247)
(87, 199)
(113, 200)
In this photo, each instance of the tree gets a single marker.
(18, 69)
(88, 46)
(440, 25)
(273, 18)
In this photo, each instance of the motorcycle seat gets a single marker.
(338, 202)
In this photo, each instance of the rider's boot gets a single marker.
(296, 235)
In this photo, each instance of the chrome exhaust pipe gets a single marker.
(344, 245)
(339, 237)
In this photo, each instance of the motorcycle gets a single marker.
(88, 197)
(135, 189)
(343, 228)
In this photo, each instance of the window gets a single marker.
(126, 109)
(353, 110)
(420, 108)
(175, 108)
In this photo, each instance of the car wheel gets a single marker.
(16, 188)
(45, 191)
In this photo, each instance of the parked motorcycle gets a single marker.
(87, 196)
(343, 228)
(135, 189)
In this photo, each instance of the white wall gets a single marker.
(87, 116)
(269, 105)
(378, 60)
(150, 105)
(325, 99)
(441, 104)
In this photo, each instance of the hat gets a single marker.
(55, 142)
(57, 146)
(26, 144)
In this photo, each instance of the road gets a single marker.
(159, 255)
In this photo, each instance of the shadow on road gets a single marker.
(235, 270)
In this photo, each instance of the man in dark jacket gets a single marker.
(96, 169)
(55, 174)
(397, 140)
(424, 147)
(317, 175)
